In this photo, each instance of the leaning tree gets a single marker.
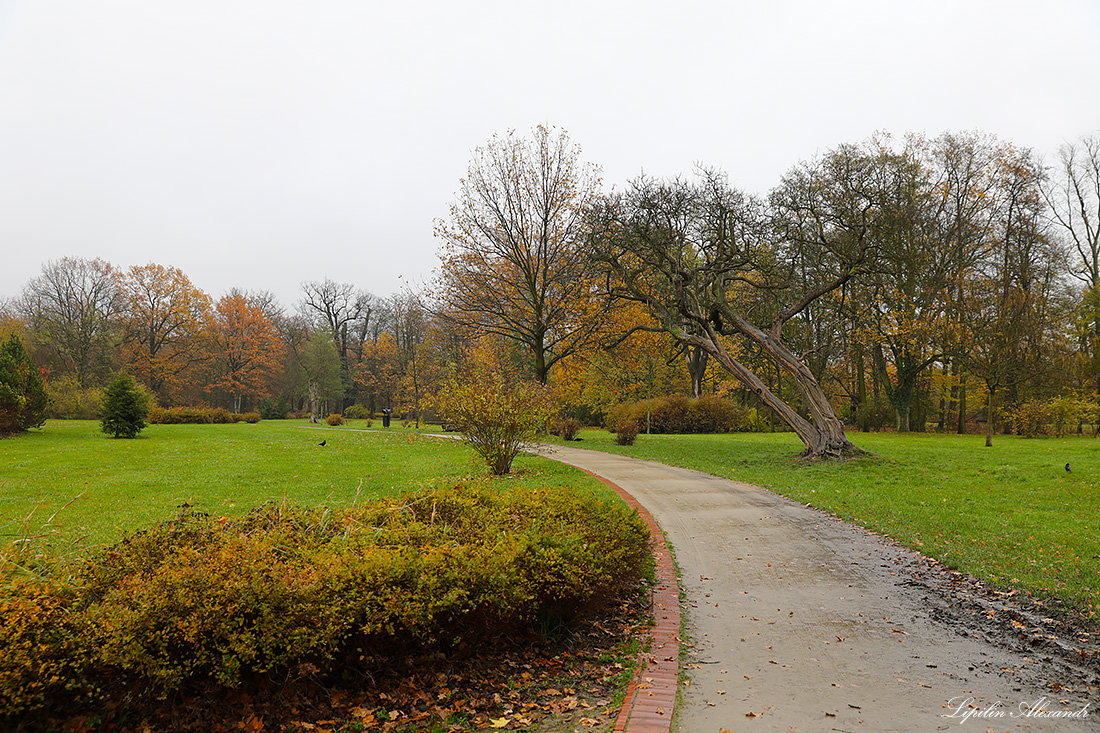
(715, 267)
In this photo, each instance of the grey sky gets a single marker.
(260, 143)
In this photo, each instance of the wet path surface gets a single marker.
(800, 622)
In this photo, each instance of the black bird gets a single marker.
(1067, 469)
(322, 444)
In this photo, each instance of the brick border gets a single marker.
(650, 699)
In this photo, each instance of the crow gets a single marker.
(322, 444)
(1068, 469)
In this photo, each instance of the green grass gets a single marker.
(1009, 514)
(99, 486)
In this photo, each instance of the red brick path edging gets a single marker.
(651, 696)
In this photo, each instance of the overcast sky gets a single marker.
(260, 143)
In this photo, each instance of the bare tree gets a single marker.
(72, 309)
(345, 313)
(513, 261)
(1073, 198)
(1072, 194)
(1011, 329)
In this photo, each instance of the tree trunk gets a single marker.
(861, 391)
(989, 418)
(902, 413)
(314, 404)
(823, 435)
(961, 428)
(696, 359)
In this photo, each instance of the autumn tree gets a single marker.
(898, 308)
(966, 180)
(379, 373)
(245, 348)
(513, 260)
(702, 257)
(418, 341)
(638, 360)
(164, 319)
(72, 310)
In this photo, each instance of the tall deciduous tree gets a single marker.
(1010, 296)
(512, 256)
(165, 319)
(72, 309)
(245, 348)
(345, 313)
(1072, 194)
(320, 361)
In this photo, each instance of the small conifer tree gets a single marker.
(125, 407)
(23, 398)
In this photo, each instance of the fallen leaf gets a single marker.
(498, 722)
(750, 715)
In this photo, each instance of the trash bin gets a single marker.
(386, 417)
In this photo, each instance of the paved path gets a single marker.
(801, 622)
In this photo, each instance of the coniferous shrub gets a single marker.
(276, 410)
(125, 407)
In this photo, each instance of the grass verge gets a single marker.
(73, 483)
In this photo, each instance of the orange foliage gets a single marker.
(245, 348)
(165, 319)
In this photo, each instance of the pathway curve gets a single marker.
(800, 622)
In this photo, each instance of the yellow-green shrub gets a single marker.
(200, 598)
(43, 647)
(495, 413)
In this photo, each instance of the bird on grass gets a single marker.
(322, 444)
(1068, 469)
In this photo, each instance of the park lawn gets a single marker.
(1009, 514)
(99, 487)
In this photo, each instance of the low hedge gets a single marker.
(203, 598)
(680, 414)
(199, 416)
